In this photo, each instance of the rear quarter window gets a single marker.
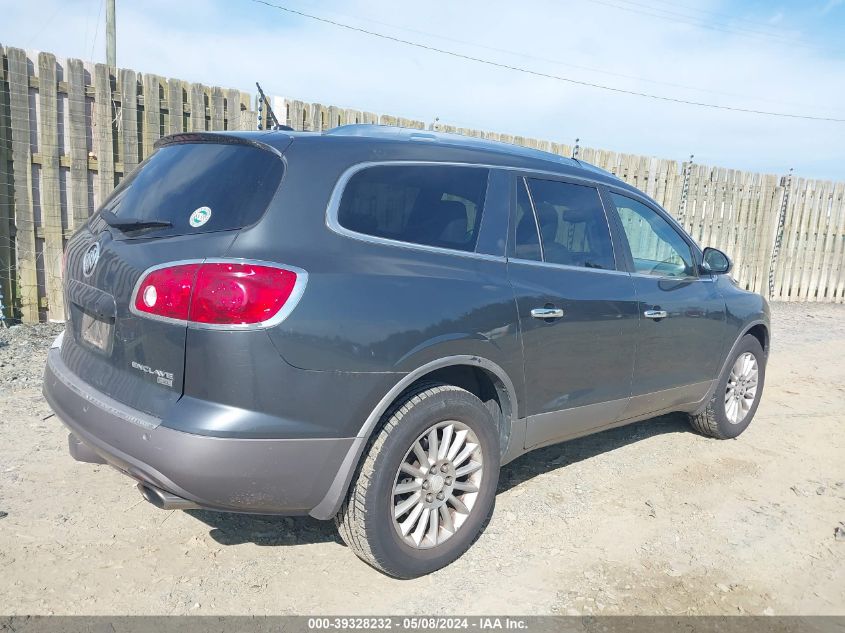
(431, 205)
(235, 183)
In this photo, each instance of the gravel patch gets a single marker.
(644, 519)
(23, 352)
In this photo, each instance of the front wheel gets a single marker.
(426, 486)
(737, 394)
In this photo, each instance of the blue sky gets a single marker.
(777, 56)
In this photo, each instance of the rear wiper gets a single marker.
(132, 224)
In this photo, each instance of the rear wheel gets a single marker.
(737, 394)
(426, 485)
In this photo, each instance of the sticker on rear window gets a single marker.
(200, 217)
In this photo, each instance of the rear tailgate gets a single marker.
(200, 194)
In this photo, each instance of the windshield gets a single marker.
(196, 188)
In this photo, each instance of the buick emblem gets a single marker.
(89, 261)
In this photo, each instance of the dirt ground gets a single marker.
(647, 519)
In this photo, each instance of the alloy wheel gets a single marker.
(741, 390)
(437, 484)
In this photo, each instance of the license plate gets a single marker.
(96, 332)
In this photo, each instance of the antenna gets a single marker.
(270, 117)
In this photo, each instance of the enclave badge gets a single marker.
(90, 259)
(162, 377)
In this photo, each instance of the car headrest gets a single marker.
(548, 218)
(440, 221)
(453, 214)
(451, 210)
(574, 216)
(526, 230)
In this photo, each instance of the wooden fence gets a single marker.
(733, 210)
(70, 130)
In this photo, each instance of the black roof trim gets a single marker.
(215, 138)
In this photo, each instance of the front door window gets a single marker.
(656, 247)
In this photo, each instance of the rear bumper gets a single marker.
(278, 476)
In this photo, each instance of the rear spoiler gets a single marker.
(217, 138)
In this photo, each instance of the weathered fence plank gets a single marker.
(249, 117)
(833, 258)
(732, 235)
(104, 131)
(804, 255)
(78, 117)
(819, 227)
(831, 237)
(128, 130)
(671, 195)
(7, 254)
(759, 248)
(197, 96)
(708, 209)
(749, 227)
(175, 107)
(695, 201)
(770, 203)
(836, 270)
(217, 111)
(22, 173)
(233, 110)
(744, 227)
(318, 117)
(798, 202)
(336, 116)
(152, 113)
(51, 209)
(840, 259)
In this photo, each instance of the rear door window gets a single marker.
(432, 205)
(198, 187)
(573, 226)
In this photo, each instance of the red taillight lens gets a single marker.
(235, 293)
(166, 292)
(219, 293)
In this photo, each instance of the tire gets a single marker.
(719, 419)
(366, 520)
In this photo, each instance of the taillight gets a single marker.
(232, 293)
(216, 293)
(166, 292)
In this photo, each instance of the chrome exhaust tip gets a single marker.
(165, 500)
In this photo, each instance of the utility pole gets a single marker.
(111, 44)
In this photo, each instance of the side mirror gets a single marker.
(715, 262)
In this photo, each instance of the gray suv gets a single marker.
(366, 324)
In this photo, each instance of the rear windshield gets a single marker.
(198, 188)
(423, 204)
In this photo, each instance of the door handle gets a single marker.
(655, 314)
(547, 313)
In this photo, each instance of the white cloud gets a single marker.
(235, 44)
